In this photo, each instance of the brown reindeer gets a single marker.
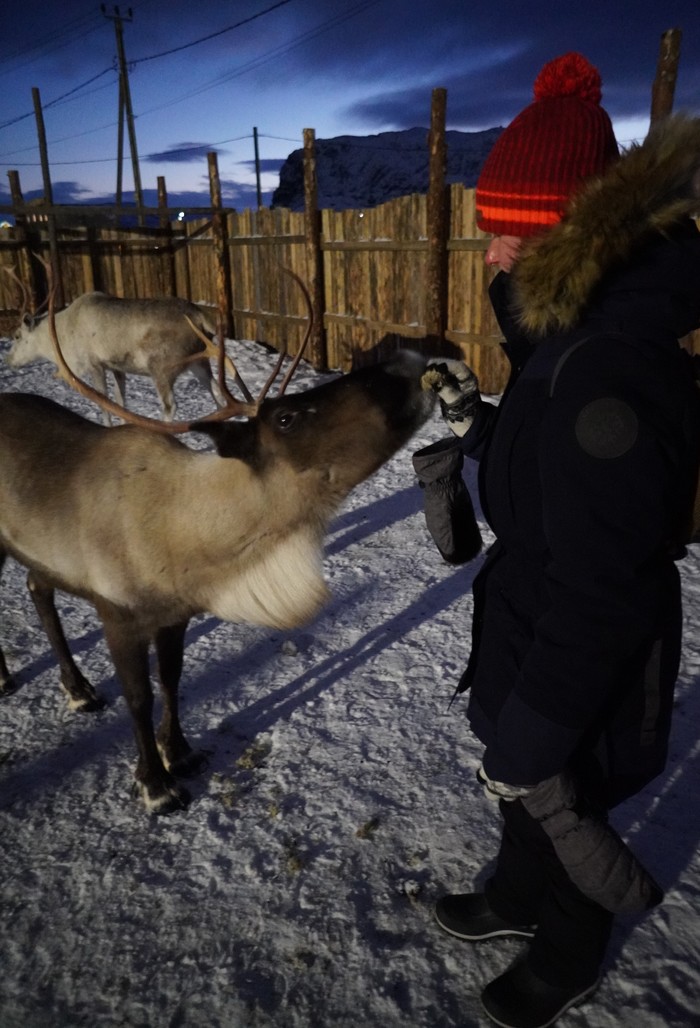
(153, 532)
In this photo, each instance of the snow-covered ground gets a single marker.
(338, 803)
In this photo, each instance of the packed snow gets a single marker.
(338, 802)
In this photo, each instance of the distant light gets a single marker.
(361, 214)
(181, 216)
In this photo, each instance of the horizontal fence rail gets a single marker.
(373, 266)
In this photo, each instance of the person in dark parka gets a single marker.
(588, 472)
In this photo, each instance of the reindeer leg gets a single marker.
(164, 388)
(81, 694)
(7, 682)
(119, 386)
(99, 378)
(176, 753)
(202, 372)
(129, 648)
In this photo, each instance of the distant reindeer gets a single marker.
(152, 532)
(103, 333)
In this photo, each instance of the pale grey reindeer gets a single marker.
(101, 333)
(153, 532)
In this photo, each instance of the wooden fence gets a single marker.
(373, 265)
(374, 278)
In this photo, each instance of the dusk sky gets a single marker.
(203, 74)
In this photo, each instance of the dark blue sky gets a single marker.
(203, 75)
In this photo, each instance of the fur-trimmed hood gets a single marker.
(650, 193)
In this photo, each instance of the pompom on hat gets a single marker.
(562, 138)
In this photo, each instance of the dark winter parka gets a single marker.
(588, 472)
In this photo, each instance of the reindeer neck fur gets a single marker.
(251, 551)
(258, 547)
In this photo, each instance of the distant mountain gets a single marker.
(362, 171)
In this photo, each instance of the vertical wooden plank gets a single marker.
(436, 263)
(220, 236)
(316, 350)
(168, 257)
(48, 199)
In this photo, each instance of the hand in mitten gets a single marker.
(449, 513)
(457, 388)
(595, 857)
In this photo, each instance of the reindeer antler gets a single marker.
(217, 352)
(300, 352)
(232, 408)
(23, 289)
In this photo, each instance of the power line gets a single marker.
(159, 155)
(53, 37)
(248, 66)
(212, 35)
(58, 99)
(278, 51)
(151, 57)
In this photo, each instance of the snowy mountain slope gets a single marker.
(361, 171)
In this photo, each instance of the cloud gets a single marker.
(63, 191)
(183, 153)
(488, 60)
(270, 165)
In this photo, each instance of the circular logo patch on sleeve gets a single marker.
(607, 428)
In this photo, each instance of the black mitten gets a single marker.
(457, 388)
(449, 513)
(596, 859)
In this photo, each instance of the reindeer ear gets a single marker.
(231, 438)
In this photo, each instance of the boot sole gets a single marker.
(496, 933)
(574, 1002)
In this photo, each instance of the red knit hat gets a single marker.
(538, 161)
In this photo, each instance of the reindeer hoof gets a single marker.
(166, 800)
(83, 698)
(8, 686)
(88, 705)
(189, 765)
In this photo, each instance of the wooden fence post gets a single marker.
(223, 263)
(664, 87)
(317, 351)
(167, 230)
(48, 199)
(437, 217)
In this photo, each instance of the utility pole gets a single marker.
(126, 108)
(48, 199)
(257, 167)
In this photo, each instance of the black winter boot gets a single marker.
(519, 999)
(469, 916)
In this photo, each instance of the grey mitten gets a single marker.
(595, 857)
(449, 513)
(457, 388)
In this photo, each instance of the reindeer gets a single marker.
(102, 333)
(152, 532)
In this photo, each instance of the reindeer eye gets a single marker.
(285, 420)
